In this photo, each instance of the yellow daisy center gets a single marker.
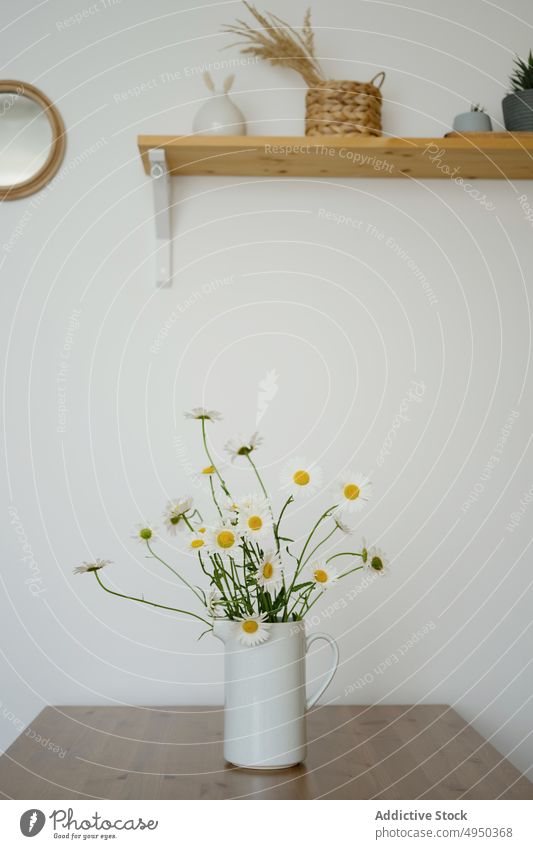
(351, 491)
(321, 576)
(268, 570)
(208, 470)
(225, 539)
(201, 530)
(250, 626)
(197, 543)
(255, 523)
(301, 477)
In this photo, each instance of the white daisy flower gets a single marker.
(323, 575)
(204, 474)
(339, 517)
(196, 541)
(353, 490)
(144, 533)
(91, 567)
(301, 478)
(270, 573)
(202, 413)
(252, 502)
(255, 518)
(240, 447)
(229, 505)
(376, 560)
(212, 602)
(174, 515)
(252, 630)
(223, 538)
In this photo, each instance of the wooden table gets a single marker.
(355, 752)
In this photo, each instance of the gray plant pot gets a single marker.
(518, 111)
(472, 122)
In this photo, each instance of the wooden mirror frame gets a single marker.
(57, 147)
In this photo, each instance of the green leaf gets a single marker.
(522, 77)
(300, 586)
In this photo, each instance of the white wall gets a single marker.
(341, 318)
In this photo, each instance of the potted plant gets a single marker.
(518, 106)
(253, 586)
(474, 121)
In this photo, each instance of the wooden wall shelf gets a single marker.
(492, 156)
(478, 156)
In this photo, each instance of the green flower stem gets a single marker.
(276, 609)
(349, 572)
(277, 524)
(345, 554)
(202, 565)
(222, 483)
(248, 562)
(211, 484)
(215, 578)
(318, 546)
(151, 603)
(237, 589)
(258, 476)
(250, 556)
(304, 549)
(305, 596)
(185, 519)
(246, 599)
(313, 602)
(308, 540)
(177, 574)
(226, 595)
(265, 493)
(266, 601)
(221, 571)
(250, 549)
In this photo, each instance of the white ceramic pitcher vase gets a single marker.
(265, 695)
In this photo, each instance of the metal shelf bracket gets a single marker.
(161, 187)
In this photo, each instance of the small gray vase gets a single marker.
(472, 122)
(518, 111)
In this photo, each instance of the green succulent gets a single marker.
(522, 78)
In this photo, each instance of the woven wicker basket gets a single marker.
(344, 108)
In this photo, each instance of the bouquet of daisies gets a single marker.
(254, 574)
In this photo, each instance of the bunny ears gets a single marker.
(228, 82)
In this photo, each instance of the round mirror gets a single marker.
(32, 139)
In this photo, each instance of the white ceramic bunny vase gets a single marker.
(219, 116)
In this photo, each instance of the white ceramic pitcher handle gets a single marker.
(312, 700)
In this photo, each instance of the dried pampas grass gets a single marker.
(278, 43)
